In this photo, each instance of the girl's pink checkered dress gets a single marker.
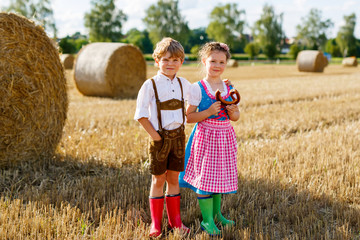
(211, 166)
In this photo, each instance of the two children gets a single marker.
(161, 111)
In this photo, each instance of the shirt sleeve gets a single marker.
(186, 87)
(143, 101)
(195, 95)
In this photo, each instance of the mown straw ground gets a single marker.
(298, 162)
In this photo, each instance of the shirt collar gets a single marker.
(163, 77)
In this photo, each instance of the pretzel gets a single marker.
(235, 95)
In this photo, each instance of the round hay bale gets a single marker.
(232, 63)
(349, 62)
(110, 70)
(67, 60)
(33, 98)
(311, 61)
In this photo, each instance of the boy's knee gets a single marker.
(173, 180)
(158, 180)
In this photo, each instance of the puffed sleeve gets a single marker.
(186, 86)
(143, 101)
(195, 94)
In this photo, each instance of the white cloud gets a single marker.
(348, 5)
(300, 4)
(69, 14)
(135, 11)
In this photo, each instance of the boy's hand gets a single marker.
(214, 108)
(156, 137)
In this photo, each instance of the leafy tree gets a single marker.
(164, 20)
(226, 23)
(240, 44)
(345, 37)
(40, 10)
(67, 45)
(312, 30)
(72, 44)
(80, 42)
(140, 39)
(333, 48)
(78, 35)
(104, 21)
(294, 50)
(252, 49)
(268, 31)
(197, 37)
(195, 49)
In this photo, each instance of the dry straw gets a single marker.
(311, 61)
(67, 60)
(110, 70)
(350, 62)
(33, 98)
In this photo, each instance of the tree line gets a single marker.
(105, 21)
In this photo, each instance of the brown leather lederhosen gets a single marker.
(169, 152)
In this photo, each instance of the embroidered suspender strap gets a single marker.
(182, 100)
(158, 105)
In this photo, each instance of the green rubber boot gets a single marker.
(208, 224)
(217, 212)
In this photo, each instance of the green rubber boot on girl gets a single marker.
(207, 211)
(217, 212)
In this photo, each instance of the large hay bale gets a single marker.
(110, 70)
(349, 62)
(67, 60)
(311, 61)
(33, 98)
(232, 63)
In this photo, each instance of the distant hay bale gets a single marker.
(109, 70)
(349, 62)
(232, 63)
(67, 60)
(311, 61)
(33, 98)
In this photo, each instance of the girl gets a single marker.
(210, 156)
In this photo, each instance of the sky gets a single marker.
(69, 14)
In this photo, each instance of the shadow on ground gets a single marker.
(262, 209)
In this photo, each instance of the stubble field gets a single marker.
(298, 164)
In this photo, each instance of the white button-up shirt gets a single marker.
(167, 89)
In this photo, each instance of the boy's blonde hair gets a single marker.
(168, 45)
(209, 47)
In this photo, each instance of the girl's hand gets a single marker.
(227, 82)
(233, 108)
(214, 108)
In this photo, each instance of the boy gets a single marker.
(161, 112)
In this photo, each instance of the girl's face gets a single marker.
(215, 64)
(169, 66)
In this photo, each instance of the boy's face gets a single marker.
(169, 66)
